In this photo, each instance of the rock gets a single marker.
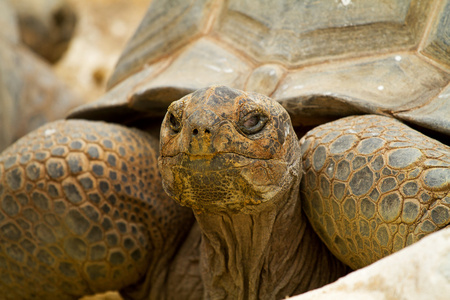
(104, 296)
(420, 271)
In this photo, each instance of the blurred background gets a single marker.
(56, 55)
(102, 30)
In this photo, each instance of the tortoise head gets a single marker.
(224, 149)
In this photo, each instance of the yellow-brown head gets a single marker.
(224, 149)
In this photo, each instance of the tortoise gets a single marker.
(46, 27)
(83, 207)
(28, 86)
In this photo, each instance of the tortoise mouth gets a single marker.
(226, 181)
(211, 162)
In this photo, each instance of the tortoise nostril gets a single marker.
(200, 131)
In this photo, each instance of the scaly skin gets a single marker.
(82, 211)
(82, 208)
(243, 185)
(373, 186)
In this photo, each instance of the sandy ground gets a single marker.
(105, 296)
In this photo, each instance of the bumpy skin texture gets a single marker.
(373, 186)
(212, 162)
(234, 158)
(82, 210)
(82, 207)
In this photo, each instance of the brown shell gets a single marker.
(321, 59)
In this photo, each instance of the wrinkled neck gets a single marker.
(270, 254)
(239, 250)
(233, 254)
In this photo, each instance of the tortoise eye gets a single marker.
(175, 114)
(253, 122)
(175, 124)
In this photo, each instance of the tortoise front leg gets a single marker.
(82, 210)
(373, 186)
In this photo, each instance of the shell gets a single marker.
(321, 60)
